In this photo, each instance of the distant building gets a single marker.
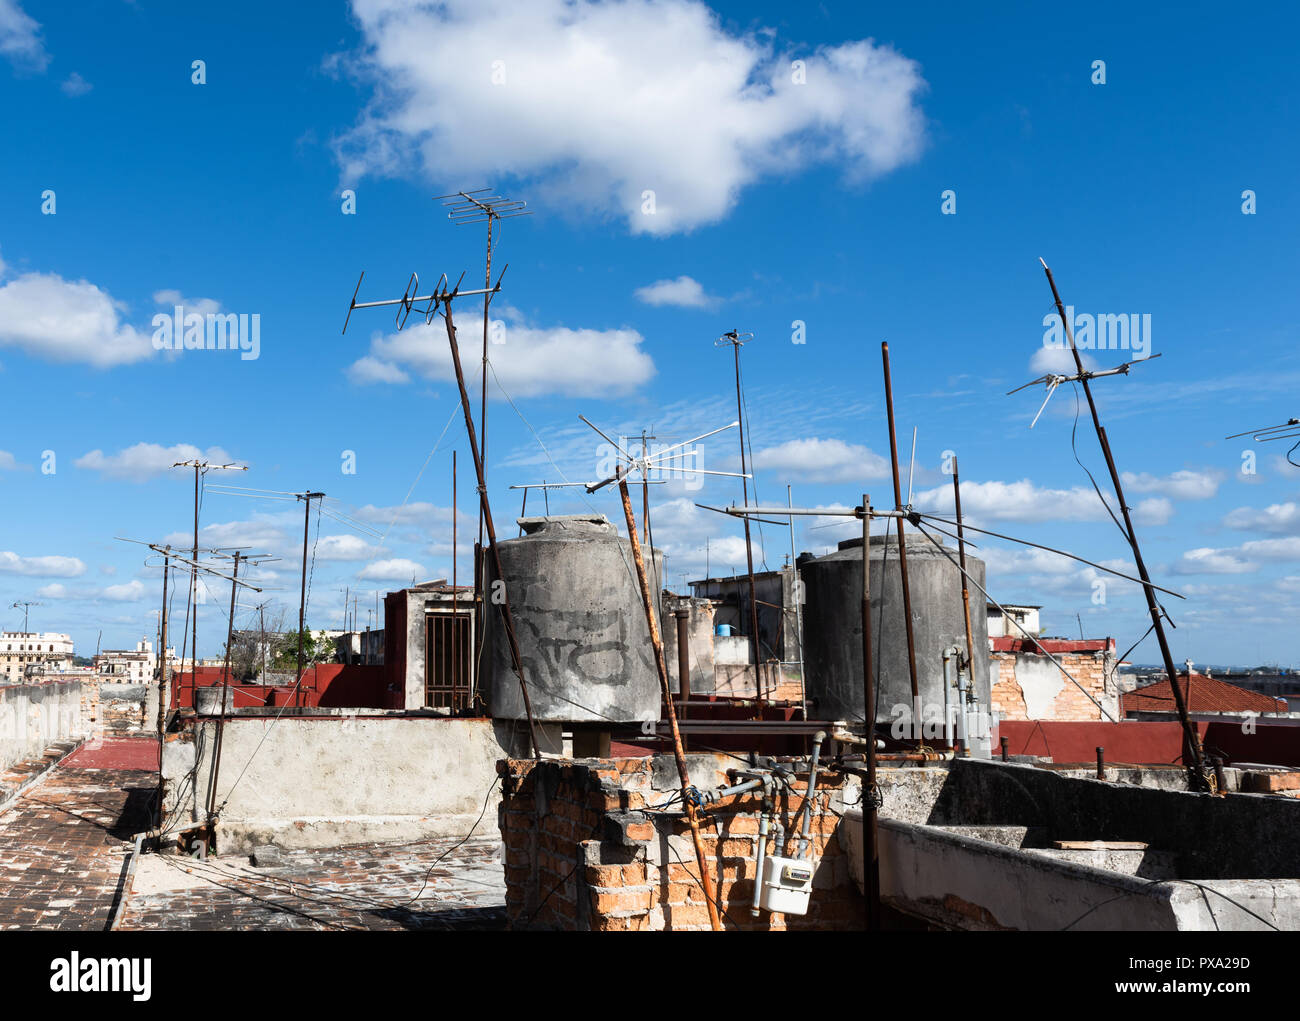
(134, 666)
(24, 652)
(1001, 626)
(1201, 694)
(1028, 685)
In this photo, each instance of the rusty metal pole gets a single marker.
(749, 547)
(306, 498)
(1191, 741)
(870, 837)
(684, 660)
(164, 690)
(225, 694)
(1101, 763)
(485, 507)
(902, 543)
(965, 588)
(1005, 756)
(692, 818)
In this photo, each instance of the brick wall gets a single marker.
(106, 713)
(586, 848)
(1013, 697)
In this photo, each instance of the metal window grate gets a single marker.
(447, 661)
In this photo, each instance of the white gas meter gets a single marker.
(787, 885)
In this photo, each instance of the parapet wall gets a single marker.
(587, 848)
(36, 715)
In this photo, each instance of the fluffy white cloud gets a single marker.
(818, 460)
(684, 292)
(369, 369)
(1278, 518)
(20, 37)
(75, 85)
(146, 460)
(1213, 561)
(529, 361)
(344, 547)
(1024, 501)
(397, 569)
(1180, 485)
(126, 593)
(1058, 360)
(61, 320)
(41, 567)
(602, 102)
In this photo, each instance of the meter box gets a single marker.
(787, 885)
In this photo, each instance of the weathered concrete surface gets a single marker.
(326, 781)
(700, 635)
(580, 624)
(963, 882)
(833, 626)
(427, 885)
(34, 716)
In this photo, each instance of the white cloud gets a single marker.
(146, 460)
(54, 590)
(126, 593)
(397, 569)
(61, 320)
(1278, 518)
(1058, 360)
(600, 102)
(372, 370)
(818, 460)
(20, 38)
(75, 85)
(1213, 561)
(344, 547)
(8, 462)
(1024, 501)
(169, 299)
(1180, 485)
(530, 361)
(46, 567)
(683, 292)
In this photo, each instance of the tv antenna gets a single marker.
(1052, 380)
(25, 605)
(483, 205)
(439, 302)
(1290, 429)
(1193, 755)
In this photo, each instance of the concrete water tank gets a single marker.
(580, 624)
(832, 622)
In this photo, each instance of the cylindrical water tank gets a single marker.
(580, 623)
(832, 623)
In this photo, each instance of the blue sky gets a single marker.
(779, 201)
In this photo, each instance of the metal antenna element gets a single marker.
(1285, 431)
(1193, 756)
(1053, 379)
(439, 303)
(483, 205)
(738, 339)
(25, 605)
(644, 464)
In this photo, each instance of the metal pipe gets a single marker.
(902, 542)
(870, 837)
(225, 694)
(807, 808)
(961, 553)
(1101, 763)
(1003, 743)
(692, 817)
(760, 853)
(797, 588)
(749, 549)
(683, 660)
(949, 724)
